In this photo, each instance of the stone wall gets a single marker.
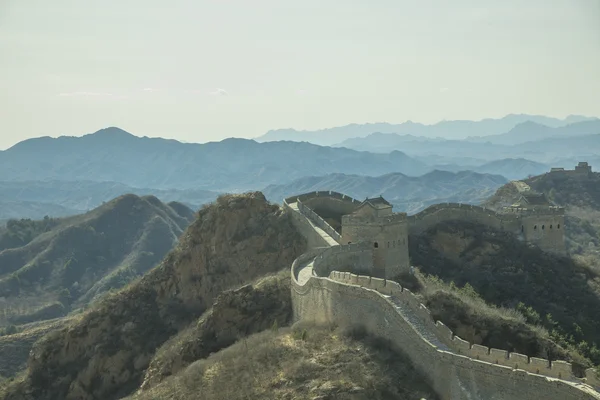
(317, 220)
(533, 225)
(463, 372)
(438, 213)
(555, 369)
(313, 238)
(388, 237)
(357, 258)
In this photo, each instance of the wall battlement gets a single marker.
(555, 369)
(322, 193)
(359, 219)
(457, 369)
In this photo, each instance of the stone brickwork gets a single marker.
(320, 222)
(555, 369)
(350, 257)
(388, 238)
(541, 227)
(457, 372)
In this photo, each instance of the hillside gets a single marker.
(409, 194)
(36, 199)
(448, 129)
(504, 272)
(287, 364)
(51, 266)
(105, 352)
(513, 168)
(232, 165)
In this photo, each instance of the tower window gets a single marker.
(534, 227)
(550, 226)
(543, 226)
(522, 228)
(376, 245)
(558, 226)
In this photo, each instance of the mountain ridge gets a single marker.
(230, 165)
(456, 129)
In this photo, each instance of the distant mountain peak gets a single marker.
(113, 131)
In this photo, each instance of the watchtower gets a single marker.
(541, 223)
(583, 169)
(374, 221)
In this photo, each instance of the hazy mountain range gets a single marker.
(453, 130)
(409, 194)
(60, 198)
(69, 175)
(230, 165)
(527, 140)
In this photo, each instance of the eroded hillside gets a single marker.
(106, 351)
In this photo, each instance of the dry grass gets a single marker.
(289, 364)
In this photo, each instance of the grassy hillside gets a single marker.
(105, 352)
(299, 363)
(558, 294)
(50, 266)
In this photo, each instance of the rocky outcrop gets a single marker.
(235, 314)
(104, 354)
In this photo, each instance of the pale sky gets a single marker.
(203, 70)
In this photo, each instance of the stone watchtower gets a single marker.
(374, 221)
(541, 223)
(583, 169)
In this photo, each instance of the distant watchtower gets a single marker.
(542, 223)
(583, 169)
(374, 221)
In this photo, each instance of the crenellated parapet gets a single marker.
(355, 257)
(552, 210)
(321, 193)
(366, 220)
(554, 369)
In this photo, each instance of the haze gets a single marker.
(205, 70)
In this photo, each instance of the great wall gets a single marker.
(457, 370)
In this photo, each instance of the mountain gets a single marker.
(526, 140)
(513, 168)
(385, 142)
(106, 351)
(232, 165)
(36, 199)
(530, 131)
(446, 129)
(410, 194)
(17, 209)
(51, 266)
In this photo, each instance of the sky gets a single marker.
(205, 70)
